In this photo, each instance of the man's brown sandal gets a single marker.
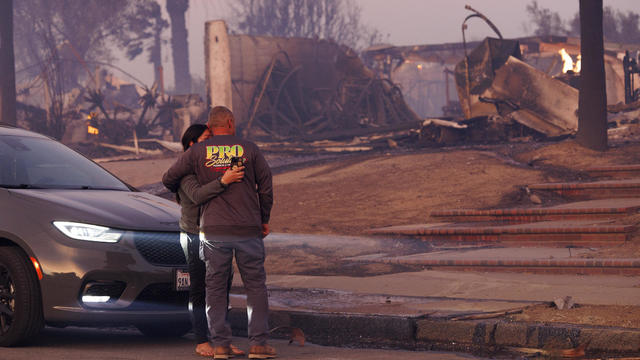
(205, 349)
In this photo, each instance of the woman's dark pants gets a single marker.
(197, 291)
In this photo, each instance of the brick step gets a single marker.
(512, 259)
(545, 233)
(593, 190)
(593, 209)
(551, 266)
(615, 171)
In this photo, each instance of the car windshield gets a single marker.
(40, 163)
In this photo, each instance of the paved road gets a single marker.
(103, 344)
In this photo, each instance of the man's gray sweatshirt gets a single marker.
(243, 207)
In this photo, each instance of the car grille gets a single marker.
(160, 248)
(160, 297)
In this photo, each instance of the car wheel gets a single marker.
(165, 330)
(20, 303)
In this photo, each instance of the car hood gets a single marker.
(125, 210)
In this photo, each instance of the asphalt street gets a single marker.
(128, 344)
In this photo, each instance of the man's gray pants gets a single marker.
(218, 257)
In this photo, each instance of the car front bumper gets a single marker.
(143, 265)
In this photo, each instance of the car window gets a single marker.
(30, 162)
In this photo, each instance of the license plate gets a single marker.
(183, 281)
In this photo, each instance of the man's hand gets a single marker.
(233, 175)
(265, 230)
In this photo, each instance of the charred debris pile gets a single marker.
(108, 117)
(308, 95)
(322, 97)
(316, 96)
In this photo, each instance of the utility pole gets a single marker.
(592, 103)
(7, 67)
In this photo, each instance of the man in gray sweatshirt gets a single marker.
(234, 222)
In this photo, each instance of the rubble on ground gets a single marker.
(107, 110)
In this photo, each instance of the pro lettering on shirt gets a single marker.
(219, 156)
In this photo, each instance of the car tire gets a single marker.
(20, 301)
(165, 330)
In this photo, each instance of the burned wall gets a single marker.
(424, 85)
(250, 56)
(301, 89)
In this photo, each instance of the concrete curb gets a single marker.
(420, 333)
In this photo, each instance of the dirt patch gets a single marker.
(596, 315)
(140, 172)
(351, 197)
(353, 193)
(568, 154)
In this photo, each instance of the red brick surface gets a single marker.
(532, 215)
(549, 266)
(530, 234)
(615, 171)
(593, 190)
(540, 227)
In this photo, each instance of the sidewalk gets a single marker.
(592, 289)
(600, 290)
(446, 310)
(437, 310)
(108, 344)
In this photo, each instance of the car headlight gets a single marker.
(88, 232)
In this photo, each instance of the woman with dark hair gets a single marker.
(190, 196)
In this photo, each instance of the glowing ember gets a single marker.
(91, 130)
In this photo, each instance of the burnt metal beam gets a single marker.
(7, 66)
(592, 103)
